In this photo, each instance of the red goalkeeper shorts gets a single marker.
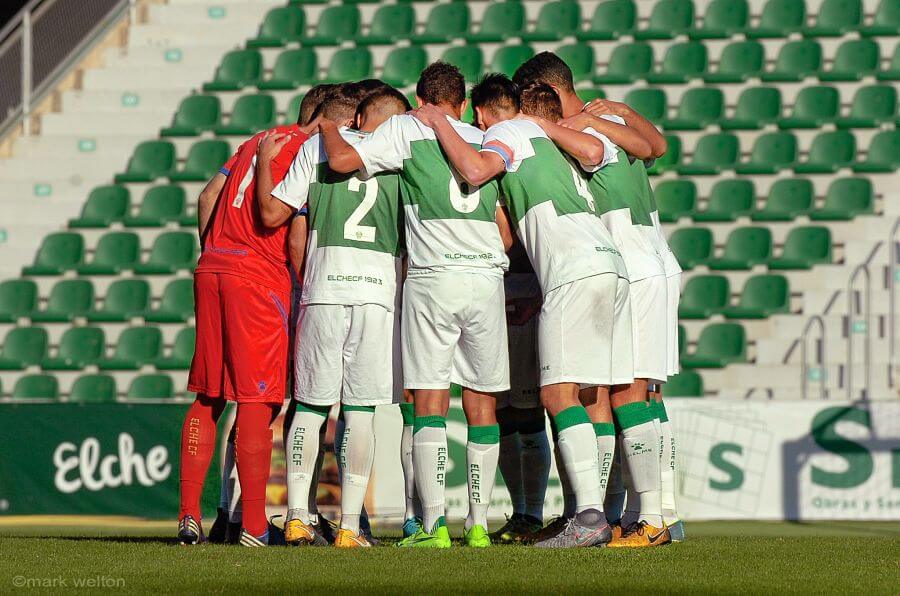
(241, 352)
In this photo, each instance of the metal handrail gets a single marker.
(820, 356)
(861, 269)
(893, 273)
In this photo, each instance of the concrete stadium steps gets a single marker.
(783, 382)
(67, 378)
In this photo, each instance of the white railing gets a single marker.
(819, 369)
(893, 275)
(859, 327)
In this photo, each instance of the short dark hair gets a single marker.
(311, 101)
(338, 104)
(386, 99)
(359, 90)
(541, 100)
(442, 83)
(545, 67)
(496, 93)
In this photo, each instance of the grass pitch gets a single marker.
(719, 557)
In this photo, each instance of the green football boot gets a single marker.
(438, 538)
(477, 537)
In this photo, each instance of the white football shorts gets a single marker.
(524, 379)
(650, 328)
(673, 298)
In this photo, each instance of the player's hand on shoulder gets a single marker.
(601, 107)
(575, 122)
(271, 144)
(428, 115)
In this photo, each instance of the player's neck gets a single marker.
(571, 104)
(448, 110)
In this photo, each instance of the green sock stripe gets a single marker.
(662, 414)
(604, 429)
(485, 435)
(633, 414)
(408, 411)
(357, 408)
(313, 409)
(428, 422)
(570, 417)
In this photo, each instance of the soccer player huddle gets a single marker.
(521, 258)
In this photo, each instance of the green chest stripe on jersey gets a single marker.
(347, 211)
(546, 176)
(639, 170)
(427, 181)
(618, 186)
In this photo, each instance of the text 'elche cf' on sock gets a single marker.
(640, 447)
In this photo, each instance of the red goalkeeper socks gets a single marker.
(253, 454)
(198, 441)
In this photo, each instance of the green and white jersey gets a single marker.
(355, 232)
(450, 225)
(551, 207)
(670, 263)
(625, 208)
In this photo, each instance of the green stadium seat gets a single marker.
(205, 158)
(509, 58)
(336, 24)
(771, 153)
(196, 114)
(829, 152)
(779, 18)
(627, 63)
(682, 62)
(349, 64)
(238, 69)
(691, 246)
(59, 252)
(745, 247)
(687, 383)
(93, 389)
(69, 298)
(675, 199)
(682, 339)
(788, 198)
(281, 25)
(699, 108)
(36, 387)
(813, 108)
(293, 68)
(713, 153)
(250, 114)
(804, 247)
(300, 2)
(855, 59)
(171, 252)
(104, 205)
(883, 154)
(872, 106)
(78, 347)
(845, 199)
(403, 66)
(125, 299)
(391, 23)
(23, 347)
(18, 298)
(885, 22)
(722, 19)
(649, 103)
(763, 295)
(835, 18)
(796, 60)
(182, 351)
(151, 160)
(161, 205)
(468, 59)
(719, 345)
(739, 61)
(115, 251)
(151, 386)
(501, 21)
(588, 95)
(756, 107)
(612, 19)
(668, 19)
(728, 200)
(176, 305)
(292, 114)
(704, 296)
(892, 73)
(136, 347)
(445, 23)
(580, 59)
(670, 160)
(556, 20)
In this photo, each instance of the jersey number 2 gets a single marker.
(352, 229)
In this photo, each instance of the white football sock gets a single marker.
(640, 444)
(482, 452)
(431, 459)
(511, 468)
(301, 454)
(313, 507)
(606, 450)
(578, 450)
(614, 503)
(667, 472)
(535, 471)
(413, 506)
(358, 455)
(565, 484)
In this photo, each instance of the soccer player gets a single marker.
(453, 318)
(524, 449)
(242, 294)
(582, 275)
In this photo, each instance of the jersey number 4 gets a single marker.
(352, 229)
